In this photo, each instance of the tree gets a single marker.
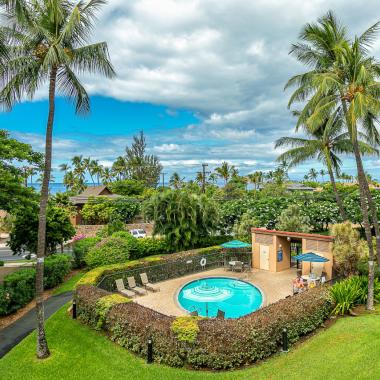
(322, 173)
(256, 178)
(47, 43)
(127, 187)
(143, 167)
(175, 181)
(242, 228)
(293, 220)
(184, 219)
(24, 233)
(342, 76)
(348, 249)
(13, 193)
(226, 171)
(324, 144)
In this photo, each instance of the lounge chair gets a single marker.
(220, 314)
(132, 285)
(121, 288)
(147, 284)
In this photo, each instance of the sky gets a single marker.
(203, 79)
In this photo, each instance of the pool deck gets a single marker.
(274, 287)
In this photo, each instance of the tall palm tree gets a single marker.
(322, 173)
(106, 175)
(176, 181)
(256, 178)
(47, 43)
(312, 174)
(342, 76)
(226, 171)
(324, 144)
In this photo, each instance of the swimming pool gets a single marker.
(206, 295)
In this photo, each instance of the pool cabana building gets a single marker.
(271, 250)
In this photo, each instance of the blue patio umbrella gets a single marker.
(310, 257)
(235, 244)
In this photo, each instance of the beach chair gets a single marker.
(121, 288)
(132, 285)
(147, 284)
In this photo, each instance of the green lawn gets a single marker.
(69, 284)
(350, 349)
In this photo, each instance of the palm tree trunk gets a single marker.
(42, 346)
(364, 202)
(333, 184)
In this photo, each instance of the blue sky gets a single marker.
(203, 78)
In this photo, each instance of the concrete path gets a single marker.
(18, 330)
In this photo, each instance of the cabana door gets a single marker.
(264, 257)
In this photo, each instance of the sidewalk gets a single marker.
(17, 331)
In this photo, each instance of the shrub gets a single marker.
(348, 249)
(57, 267)
(351, 292)
(102, 210)
(104, 304)
(80, 249)
(214, 343)
(152, 246)
(186, 328)
(1, 263)
(111, 250)
(20, 287)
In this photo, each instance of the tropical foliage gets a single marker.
(183, 218)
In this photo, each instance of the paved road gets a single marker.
(17, 331)
(7, 255)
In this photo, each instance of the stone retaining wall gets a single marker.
(91, 230)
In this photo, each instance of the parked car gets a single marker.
(138, 233)
(29, 256)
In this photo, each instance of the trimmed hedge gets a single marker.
(19, 287)
(203, 342)
(95, 276)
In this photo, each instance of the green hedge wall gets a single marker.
(19, 287)
(218, 343)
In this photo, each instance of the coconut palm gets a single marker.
(324, 144)
(226, 171)
(47, 44)
(312, 174)
(176, 181)
(322, 173)
(107, 175)
(342, 76)
(256, 178)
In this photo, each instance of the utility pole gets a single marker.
(204, 165)
(163, 180)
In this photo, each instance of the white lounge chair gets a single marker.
(132, 285)
(147, 284)
(121, 288)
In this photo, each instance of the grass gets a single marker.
(69, 284)
(348, 349)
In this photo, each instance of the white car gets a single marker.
(138, 233)
(29, 256)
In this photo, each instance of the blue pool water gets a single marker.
(235, 297)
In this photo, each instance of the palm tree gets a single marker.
(256, 178)
(226, 171)
(313, 174)
(47, 43)
(213, 178)
(176, 181)
(107, 175)
(342, 76)
(323, 144)
(322, 173)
